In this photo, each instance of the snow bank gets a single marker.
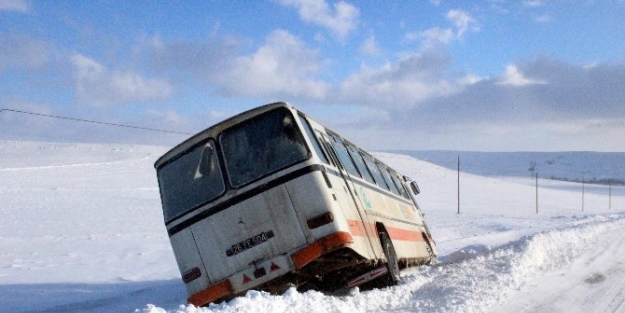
(473, 279)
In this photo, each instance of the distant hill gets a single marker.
(592, 167)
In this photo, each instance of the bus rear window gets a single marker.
(261, 146)
(190, 180)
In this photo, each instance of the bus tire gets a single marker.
(392, 277)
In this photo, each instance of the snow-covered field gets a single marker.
(571, 166)
(81, 231)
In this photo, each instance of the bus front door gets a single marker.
(353, 209)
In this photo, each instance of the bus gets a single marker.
(270, 199)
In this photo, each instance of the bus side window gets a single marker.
(388, 178)
(375, 172)
(343, 155)
(353, 152)
(325, 145)
(313, 139)
(400, 186)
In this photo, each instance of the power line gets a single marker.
(96, 122)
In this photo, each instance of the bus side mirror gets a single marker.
(415, 187)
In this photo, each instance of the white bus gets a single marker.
(270, 199)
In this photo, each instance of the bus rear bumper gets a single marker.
(217, 291)
(270, 269)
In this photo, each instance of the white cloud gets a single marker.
(340, 20)
(97, 86)
(282, 66)
(434, 37)
(533, 3)
(514, 77)
(14, 6)
(370, 46)
(415, 79)
(470, 79)
(462, 23)
(553, 93)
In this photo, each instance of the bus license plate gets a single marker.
(249, 243)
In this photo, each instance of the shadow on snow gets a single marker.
(97, 297)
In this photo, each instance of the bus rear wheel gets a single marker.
(392, 277)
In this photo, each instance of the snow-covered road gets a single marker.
(590, 279)
(81, 231)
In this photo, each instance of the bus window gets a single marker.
(343, 155)
(262, 145)
(375, 172)
(190, 180)
(313, 139)
(389, 180)
(325, 146)
(353, 152)
(400, 186)
(328, 148)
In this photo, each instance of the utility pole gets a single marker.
(458, 184)
(536, 192)
(583, 189)
(610, 195)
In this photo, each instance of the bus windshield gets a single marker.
(261, 146)
(190, 180)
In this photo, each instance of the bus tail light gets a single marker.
(191, 275)
(320, 220)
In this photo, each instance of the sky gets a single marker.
(492, 75)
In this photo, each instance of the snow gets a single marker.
(81, 231)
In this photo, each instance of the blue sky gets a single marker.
(496, 75)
